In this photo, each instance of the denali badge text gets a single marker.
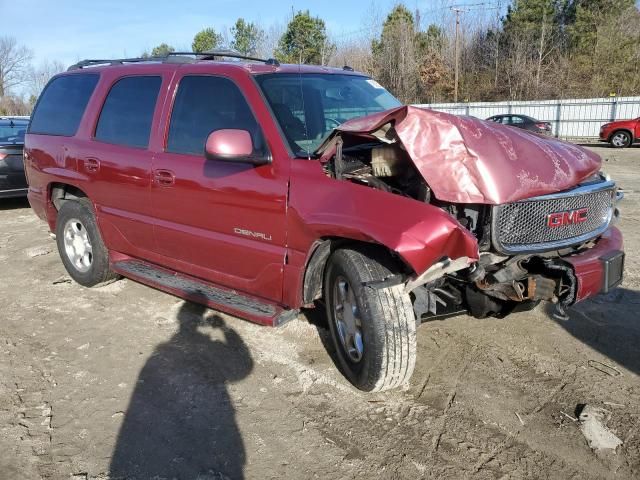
(570, 217)
(249, 233)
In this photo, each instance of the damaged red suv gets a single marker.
(260, 189)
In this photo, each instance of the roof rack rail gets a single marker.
(173, 57)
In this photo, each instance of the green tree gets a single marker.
(305, 41)
(527, 15)
(605, 46)
(206, 40)
(532, 39)
(162, 50)
(587, 16)
(246, 37)
(395, 54)
(435, 76)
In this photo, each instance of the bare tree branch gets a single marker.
(14, 64)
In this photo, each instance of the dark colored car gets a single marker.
(524, 122)
(622, 133)
(12, 179)
(260, 189)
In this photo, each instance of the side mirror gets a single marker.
(232, 145)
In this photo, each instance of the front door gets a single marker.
(221, 221)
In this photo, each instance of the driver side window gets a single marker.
(206, 103)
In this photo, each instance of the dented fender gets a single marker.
(322, 207)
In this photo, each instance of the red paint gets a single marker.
(560, 219)
(588, 267)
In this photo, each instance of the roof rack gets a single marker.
(173, 57)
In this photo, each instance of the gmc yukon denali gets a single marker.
(260, 189)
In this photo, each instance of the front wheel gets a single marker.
(373, 329)
(620, 140)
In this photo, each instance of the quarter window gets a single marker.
(128, 111)
(204, 104)
(62, 104)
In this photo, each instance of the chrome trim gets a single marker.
(555, 245)
(574, 192)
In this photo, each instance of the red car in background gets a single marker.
(621, 134)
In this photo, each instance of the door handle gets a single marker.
(92, 165)
(164, 178)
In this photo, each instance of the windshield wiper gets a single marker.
(304, 154)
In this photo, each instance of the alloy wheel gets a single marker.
(346, 317)
(619, 140)
(77, 245)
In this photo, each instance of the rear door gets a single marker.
(221, 221)
(117, 162)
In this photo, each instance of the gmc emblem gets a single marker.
(569, 217)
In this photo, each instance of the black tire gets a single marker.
(98, 272)
(620, 139)
(388, 325)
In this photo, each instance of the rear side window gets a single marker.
(128, 111)
(62, 104)
(204, 104)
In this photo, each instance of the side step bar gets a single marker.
(200, 291)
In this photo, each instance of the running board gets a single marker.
(200, 291)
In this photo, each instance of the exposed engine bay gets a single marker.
(495, 285)
(378, 165)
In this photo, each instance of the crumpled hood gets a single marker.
(467, 160)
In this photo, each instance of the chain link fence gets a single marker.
(578, 119)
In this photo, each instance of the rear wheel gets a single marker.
(80, 245)
(373, 329)
(620, 139)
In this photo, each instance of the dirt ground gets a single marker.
(96, 381)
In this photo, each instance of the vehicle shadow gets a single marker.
(14, 203)
(180, 422)
(318, 318)
(609, 324)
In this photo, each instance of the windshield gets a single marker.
(12, 132)
(309, 106)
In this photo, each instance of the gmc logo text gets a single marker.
(570, 217)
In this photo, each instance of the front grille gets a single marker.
(522, 226)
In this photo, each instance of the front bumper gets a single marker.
(600, 268)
